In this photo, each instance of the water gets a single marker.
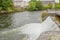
(15, 20)
(29, 31)
(23, 18)
(19, 19)
(24, 26)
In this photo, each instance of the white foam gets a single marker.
(33, 30)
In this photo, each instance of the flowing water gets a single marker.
(19, 19)
(15, 20)
(24, 25)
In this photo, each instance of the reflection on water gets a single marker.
(19, 19)
(5, 20)
(16, 22)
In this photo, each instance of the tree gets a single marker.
(5, 4)
(32, 6)
(50, 6)
(57, 6)
(39, 5)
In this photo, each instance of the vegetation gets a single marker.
(34, 5)
(7, 5)
(57, 6)
(39, 5)
(49, 6)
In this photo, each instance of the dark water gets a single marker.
(5, 20)
(19, 19)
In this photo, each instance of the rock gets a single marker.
(49, 35)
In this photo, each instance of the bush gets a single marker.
(39, 5)
(57, 6)
(46, 7)
(34, 6)
(49, 6)
(9, 9)
(0, 8)
(7, 5)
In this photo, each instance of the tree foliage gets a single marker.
(5, 4)
(34, 5)
(49, 6)
(39, 5)
(57, 6)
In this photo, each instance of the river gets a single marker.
(19, 19)
(24, 25)
(15, 20)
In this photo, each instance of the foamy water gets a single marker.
(32, 30)
(35, 29)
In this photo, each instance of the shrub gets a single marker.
(49, 6)
(34, 6)
(46, 7)
(0, 8)
(7, 5)
(39, 5)
(57, 6)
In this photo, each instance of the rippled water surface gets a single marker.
(14, 20)
(23, 25)
(19, 19)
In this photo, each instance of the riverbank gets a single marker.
(6, 12)
(12, 11)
